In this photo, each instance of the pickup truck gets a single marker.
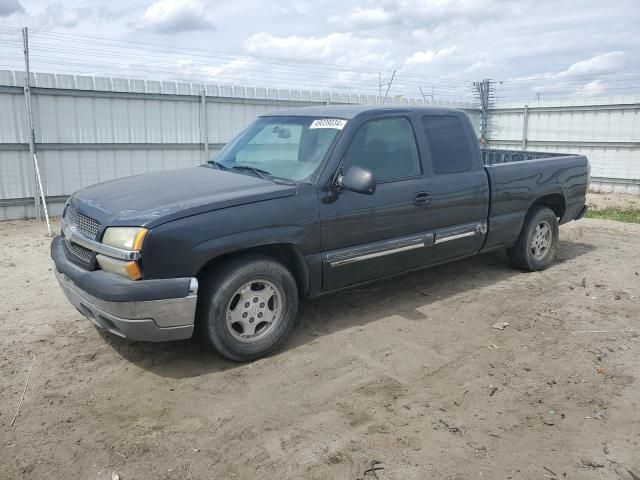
(304, 202)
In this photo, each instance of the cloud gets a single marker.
(429, 56)
(295, 46)
(544, 45)
(295, 7)
(430, 35)
(336, 47)
(591, 89)
(9, 7)
(57, 14)
(599, 63)
(579, 79)
(234, 70)
(480, 65)
(419, 14)
(606, 62)
(364, 18)
(175, 16)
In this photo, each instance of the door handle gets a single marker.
(422, 198)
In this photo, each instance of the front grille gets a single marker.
(84, 254)
(87, 227)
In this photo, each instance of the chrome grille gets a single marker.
(84, 254)
(88, 228)
(84, 225)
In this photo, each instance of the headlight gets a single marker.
(127, 238)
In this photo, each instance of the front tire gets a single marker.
(248, 307)
(538, 241)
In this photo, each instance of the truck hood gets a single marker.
(152, 199)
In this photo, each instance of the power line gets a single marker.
(64, 52)
(214, 54)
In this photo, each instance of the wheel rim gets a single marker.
(541, 240)
(254, 311)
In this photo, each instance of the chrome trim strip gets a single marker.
(72, 235)
(455, 237)
(382, 253)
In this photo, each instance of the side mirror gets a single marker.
(357, 179)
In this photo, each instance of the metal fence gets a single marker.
(92, 129)
(606, 130)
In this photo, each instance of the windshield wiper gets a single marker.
(257, 171)
(219, 166)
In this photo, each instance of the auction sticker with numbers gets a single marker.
(336, 123)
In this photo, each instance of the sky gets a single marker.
(438, 48)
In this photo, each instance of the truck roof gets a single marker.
(350, 111)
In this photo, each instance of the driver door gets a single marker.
(365, 237)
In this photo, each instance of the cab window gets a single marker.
(448, 144)
(387, 147)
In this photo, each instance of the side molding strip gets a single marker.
(379, 249)
(458, 232)
(368, 256)
(455, 237)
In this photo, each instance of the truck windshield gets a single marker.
(291, 148)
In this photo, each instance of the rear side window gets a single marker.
(448, 144)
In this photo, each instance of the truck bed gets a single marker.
(517, 178)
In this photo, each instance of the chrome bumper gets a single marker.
(150, 321)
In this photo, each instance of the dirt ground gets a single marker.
(618, 200)
(408, 373)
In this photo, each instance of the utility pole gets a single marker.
(388, 84)
(37, 184)
(485, 93)
(31, 130)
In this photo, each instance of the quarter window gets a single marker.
(387, 147)
(448, 144)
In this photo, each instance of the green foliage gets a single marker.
(629, 215)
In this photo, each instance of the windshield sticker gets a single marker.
(336, 123)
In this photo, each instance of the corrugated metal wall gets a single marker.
(91, 129)
(607, 130)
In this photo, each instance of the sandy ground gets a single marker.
(618, 200)
(407, 373)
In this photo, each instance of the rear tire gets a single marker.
(538, 240)
(247, 307)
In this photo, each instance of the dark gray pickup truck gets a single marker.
(304, 202)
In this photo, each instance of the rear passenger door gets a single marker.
(457, 183)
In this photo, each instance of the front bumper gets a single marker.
(129, 309)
